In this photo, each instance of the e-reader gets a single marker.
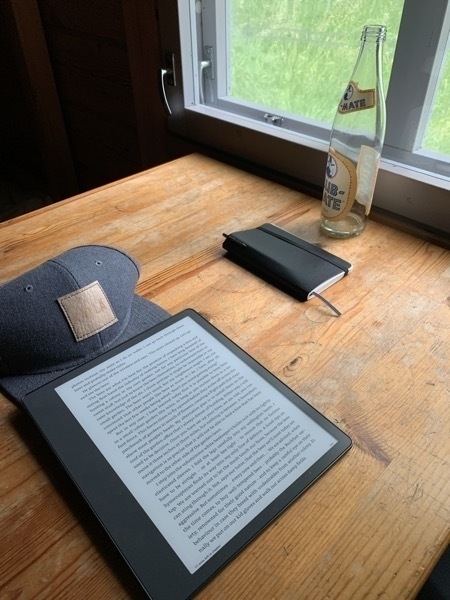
(184, 447)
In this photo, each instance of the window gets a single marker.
(252, 86)
(272, 52)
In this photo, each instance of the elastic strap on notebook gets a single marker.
(330, 258)
(333, 308)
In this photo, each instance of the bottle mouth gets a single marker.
(377, 32)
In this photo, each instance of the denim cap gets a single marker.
(66, 311)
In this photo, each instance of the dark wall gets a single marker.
(79, 100)
(88, 52)
(18, 141)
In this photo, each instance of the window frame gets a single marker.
(405, 191)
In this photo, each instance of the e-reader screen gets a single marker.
(200, 445)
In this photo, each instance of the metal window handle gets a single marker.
(163, 74)
(205, 64)
(167, 74)
(206, 69)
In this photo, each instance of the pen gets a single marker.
(229, 235)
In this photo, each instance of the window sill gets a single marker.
(407, 194)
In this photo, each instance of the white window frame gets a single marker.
(412, 185)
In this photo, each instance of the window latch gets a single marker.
(273, 119)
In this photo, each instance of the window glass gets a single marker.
(298, 56)
(437, 137)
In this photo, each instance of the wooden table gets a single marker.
(377, 522)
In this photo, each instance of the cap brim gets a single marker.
(144, 314)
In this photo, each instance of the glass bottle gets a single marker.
(356, 141)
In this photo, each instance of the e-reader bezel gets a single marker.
(155, 564)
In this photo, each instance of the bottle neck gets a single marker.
(368, 68)
(374, 33)
(362, 107)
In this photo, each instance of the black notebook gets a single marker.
(184, 447)
(294, 265)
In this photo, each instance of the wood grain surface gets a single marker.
(376, 523)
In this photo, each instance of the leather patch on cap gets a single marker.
(87, 310)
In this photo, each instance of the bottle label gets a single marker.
(340, 187)
(366, 173)
(355, 99)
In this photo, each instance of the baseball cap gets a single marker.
(67, 311)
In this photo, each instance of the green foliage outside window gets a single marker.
(297, 56)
